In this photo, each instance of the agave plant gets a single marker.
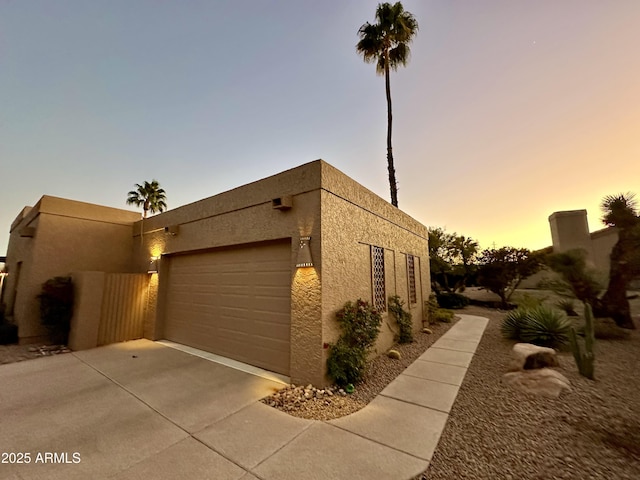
(546, 327)
(513, 323)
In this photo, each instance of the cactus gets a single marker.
(584, 360)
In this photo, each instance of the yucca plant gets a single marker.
(513, 323)
(546, 327)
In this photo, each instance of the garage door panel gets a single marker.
(235, 303)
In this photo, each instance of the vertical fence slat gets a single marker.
(123, 307)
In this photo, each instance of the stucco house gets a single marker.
(255, 274)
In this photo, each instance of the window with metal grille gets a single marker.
(411, 274)
(377, 274)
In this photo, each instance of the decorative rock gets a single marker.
(521, 351)
(540, 360)
(544, 381)
(394, 354)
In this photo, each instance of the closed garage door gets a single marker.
(233, 302)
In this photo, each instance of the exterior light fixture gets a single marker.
(153, 265)
(304, 253)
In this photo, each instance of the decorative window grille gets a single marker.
(377, 273)
(411, 272)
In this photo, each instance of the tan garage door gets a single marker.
(233, 302)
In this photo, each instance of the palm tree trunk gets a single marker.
(393, 185)
(614, 302)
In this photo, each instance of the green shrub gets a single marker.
(405, 325)
(443, 315)
(347, 359)
(512, 324)
(56, 307)
(431, 307)
(546, 327)
(452, 300)
(346, 364)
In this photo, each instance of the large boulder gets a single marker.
(530, 357)
(544, 381)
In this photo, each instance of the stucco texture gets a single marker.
(69, 236)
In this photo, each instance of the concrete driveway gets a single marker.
(143, 410)
(125, 411)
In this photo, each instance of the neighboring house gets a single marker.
(56, 237)
(570, 230)
(255, 274)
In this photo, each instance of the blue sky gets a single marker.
(508, 111)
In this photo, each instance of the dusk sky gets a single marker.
(508, 111)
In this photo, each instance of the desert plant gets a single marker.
(567, 306)
(513, 323)
(584, 359)
(347, 359)
(452, 300)
(546, 327)
(56, 307)
(575, 278)
(403, 318)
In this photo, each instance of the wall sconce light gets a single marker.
(153, 265)
(304, 253)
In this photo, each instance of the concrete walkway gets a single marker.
(142, 410)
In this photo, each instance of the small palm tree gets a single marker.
(150, 196)
(387, 44)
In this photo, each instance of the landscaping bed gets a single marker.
(380, 372)
(590, 432)
(19, 353)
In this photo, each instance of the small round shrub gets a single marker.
(545, 327)
(452, 300)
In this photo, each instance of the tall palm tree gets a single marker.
(150, 196)
(621, 211)
(386, 43)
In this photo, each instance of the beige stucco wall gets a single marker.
(69, 236)
(342, 218)
(602, 242)
(570, 230)
(87, 309)
(242, 216)
(353, 219)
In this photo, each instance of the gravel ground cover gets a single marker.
(19, 353)
(591, 432)
(320, 405)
